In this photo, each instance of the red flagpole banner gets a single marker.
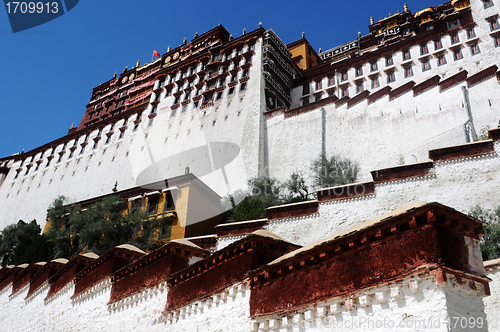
(156, 54)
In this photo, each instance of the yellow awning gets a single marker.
(429, 9)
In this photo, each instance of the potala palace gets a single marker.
(415, 103)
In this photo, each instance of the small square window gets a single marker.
(305, 102)
(305, 89)
(487, 3)
(343, 76)
(231, 91)
(471, 33)
(318, 85)
(344, 92)
(359, 87)
(374, 66)
(391, 77)
(453, 23)
(454, 38)
(359, 71)
(494, 25)
(406, 55)
(219, 96)
(497, 40)
(331, 81)
(474, 48)
(243, 86)
(152, 204)
(375, 82)
(388, 61)
(457, 54)
(437, 44)
(426, 65)
(424, 49)
(441, 60)
(408, 71)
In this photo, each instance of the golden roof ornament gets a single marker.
(406, 7)
(114, 75)
(72, 125)
(372, 20)
(169, 49)
(244, 31)
(138, 63)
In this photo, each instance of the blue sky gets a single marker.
(47, 73)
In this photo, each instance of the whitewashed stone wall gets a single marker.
(414, 303)
(492, 303)
(460, 184)
(165, 141)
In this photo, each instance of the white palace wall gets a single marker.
(461, 184)
(158, 149)
(381, 134)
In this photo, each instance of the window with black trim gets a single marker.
(406, 55)
(457, 54)
(426, 65)
(424, 49)
(471, 33)
(494, 25)
(343, 76)
(359, 87)
(373, 66)
(305, 89)
(389, 61)
(437, 44)
(391, 77)
(359, 71)
(375, 82)
(152, 204)
(487, 3)
(454, 38)
(474, 49)
(441, 60)
(453, 23)
(408, 71)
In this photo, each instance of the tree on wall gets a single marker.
(490, 243)
(265, 192)
(333, 171)
(22, 243)
(103, 226)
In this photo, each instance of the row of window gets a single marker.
(391, 75)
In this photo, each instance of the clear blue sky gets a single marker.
(47, 73)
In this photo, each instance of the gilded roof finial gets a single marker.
(114, 75)
(260, 24)
(184, 41)
(406, 7)
(372, 20)
(359, 34)
(390, 14)
(72, 125)
(138, 63)
(303, 35)
(397, 11)
(125, 69)
(196, 34)
(244, 31)
(319, 51)
(231, 37)
(168, 49)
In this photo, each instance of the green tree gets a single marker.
(333, 171)
(297, 189)
(103, 226)
(18, 240)
(490, 242)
